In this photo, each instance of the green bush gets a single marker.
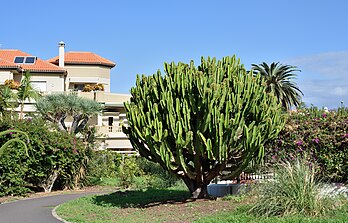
(102, 164)
(13, 168)
(293, 191)
(13, 165)
(157, 177)
(139, 173)
(55, 158)
(127, 171)
(320, 136)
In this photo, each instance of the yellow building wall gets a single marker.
(89, 74)
(54, 82)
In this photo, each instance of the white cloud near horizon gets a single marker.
(323, 78)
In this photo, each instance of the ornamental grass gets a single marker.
(294, 191)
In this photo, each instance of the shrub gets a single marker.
(54, 158)
(102, 164)
(157, 177)
(320, 136)
(12, 84)
(293, 191)
(127, 171)
(99, 87)
(13, 169)
(96, 87)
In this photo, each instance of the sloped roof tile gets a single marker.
(7, 64)
(83, 58)
(38, 66)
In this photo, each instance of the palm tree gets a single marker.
(279, 80)
(8, 100)
(26, 91)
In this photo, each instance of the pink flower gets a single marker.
(316, 140)
(299, 143)
(324, 115)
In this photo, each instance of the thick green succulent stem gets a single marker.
(197, 121)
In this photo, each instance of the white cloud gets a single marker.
(340, 91)
(330, 64)
(323, 78)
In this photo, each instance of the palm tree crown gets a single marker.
(279, 80)
(26, 91)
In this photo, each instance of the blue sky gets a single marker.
(141, 35)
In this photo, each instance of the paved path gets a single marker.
(36, 210)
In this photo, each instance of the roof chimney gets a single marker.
(61, 45)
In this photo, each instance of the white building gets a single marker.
(73, 71)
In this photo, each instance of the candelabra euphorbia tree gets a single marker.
(196, 121)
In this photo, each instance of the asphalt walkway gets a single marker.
(35, 210)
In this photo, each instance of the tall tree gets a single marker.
(26, 91)
(279, 80)
(196, 121)
(57, 107)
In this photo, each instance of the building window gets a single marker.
(78, 87)
(111, 121)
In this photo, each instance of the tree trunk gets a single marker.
(48, 183)
(22, 111)
(81, 125)
(61, 124)
(197, 189)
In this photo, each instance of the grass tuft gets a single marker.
(294, 191)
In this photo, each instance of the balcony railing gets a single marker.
(111, 131)
(115, 129)
(99, 96)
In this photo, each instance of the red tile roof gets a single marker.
(7, 61)
(8, 64)
(83, 58)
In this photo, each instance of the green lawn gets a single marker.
(173, 205)
(126, 206)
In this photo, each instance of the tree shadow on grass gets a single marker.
(142, 199)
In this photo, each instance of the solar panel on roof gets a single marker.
(19, 59)
(30, 59)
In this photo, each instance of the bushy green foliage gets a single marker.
(102, 165)
(294, 191)
(13, 169)
(8, 101)
(54, 157)
(128, 170)
(322, 137)
(155, 175)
